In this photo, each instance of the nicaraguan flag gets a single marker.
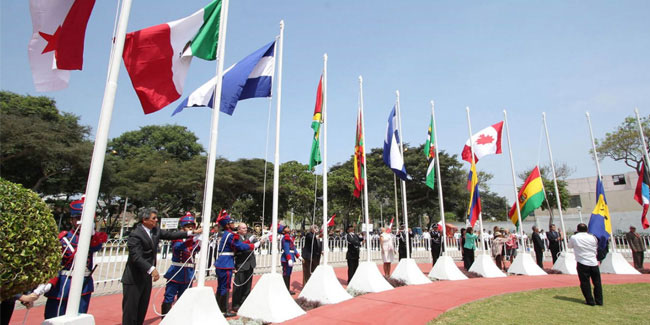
(249, 78)
(600, 223)
(392, 153)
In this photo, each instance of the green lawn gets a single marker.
(623, 304)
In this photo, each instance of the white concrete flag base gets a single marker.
(484, 265)
(525, 265)
(409, 272)
(566, 263)
(446, 269)
(196, 306)
(615, 263)
(368, 279)
(270, 301)
(81, 319)
(324, 287)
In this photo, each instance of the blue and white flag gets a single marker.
(249, 78)
(392, 153)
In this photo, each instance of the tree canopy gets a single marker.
(624, 143)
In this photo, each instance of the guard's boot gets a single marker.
(287, 282)
(222, 308)
(227, 312)
(164, 309)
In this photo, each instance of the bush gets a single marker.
(30, 252)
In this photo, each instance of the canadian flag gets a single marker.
(486, 142)
(57, 44)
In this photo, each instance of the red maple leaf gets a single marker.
(51, 40)
(484, 139)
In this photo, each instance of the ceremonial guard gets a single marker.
(436, 243)
(289, 254)
(181, 272)
(230, 243)
(57, 297)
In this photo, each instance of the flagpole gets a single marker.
(440, 201)
(324, 117)
(396, 205)
(593, 146)
(471, 147)
(514, 184)
(206, 215)
(645, 148)
(557, 191)
(365, 169)
(97, 164)
(276, 162)
(402, 182)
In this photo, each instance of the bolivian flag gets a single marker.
(600, 223)
(531, 196)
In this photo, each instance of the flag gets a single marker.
(359, 163)
(474, 208)
(642, 193)
(57, 43)
(249, 78)
(314, 157)
(330, 221)
(390, 225)
(157, 58)
(486, 142)
(392, 153)
(531, 196)
(430, 153)
(600, 224)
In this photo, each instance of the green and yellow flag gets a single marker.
(430, 153)
(317, 120)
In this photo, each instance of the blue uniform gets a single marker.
(180, 276)
(61, 284)
(289, 252)
(225, 263)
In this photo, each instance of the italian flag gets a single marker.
(430, 152)
(531, 196)
(314, 157)
(157, 58)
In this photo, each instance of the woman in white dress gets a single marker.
(387, 249)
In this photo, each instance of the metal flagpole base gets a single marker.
(368, 279)
(324, 287)
(270, 301)
(446, 269)
(615, 263)
(566, 263)
(196, 306)
(81, 319)
(409, 272)
(525, 265)
(484, 265)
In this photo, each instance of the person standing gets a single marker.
(401, 241)
(57, 297)
(311, 252)
(436, 243)
(181, 272)
(498, 250)
(637, 246)
(387, 244)
(554, 239)
(289, 254)
(469, 247)
(352, 255)
(585, 246)
(140, 267)
(244, 267)
(538, 245)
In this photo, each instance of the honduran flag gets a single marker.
(642, 193)
(486, 142)
(392, 153)
(474, 208)
(158, 58)
(249, 78)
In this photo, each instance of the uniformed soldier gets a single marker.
(57, 297)
(181, 272)
(289, 254)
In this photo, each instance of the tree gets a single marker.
(624, 143)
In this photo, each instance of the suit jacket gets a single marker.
(553, 240)
(143, 251)
(312, 247)
(538, 243)
(354, 243)
(245, 260)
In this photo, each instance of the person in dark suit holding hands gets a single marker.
(140, 267)
(538, 245)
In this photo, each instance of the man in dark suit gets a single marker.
(538, 245)
(554, 239)
(140, 267)
(401, 241)
(311, 252)
(244, 267)
(354, 244)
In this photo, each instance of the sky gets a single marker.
(527, 57)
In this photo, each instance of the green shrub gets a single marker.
(30, 253)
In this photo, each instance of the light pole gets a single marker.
(580, 213)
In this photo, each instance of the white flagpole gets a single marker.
(324, 117)
(471, 146)
(593, 145)
(514, 184)
(645, 148)
(557, 191)
(402, 182)
(276, 161)
(206, 215)
(438, 176)
(365, 169)
(396, 205)
(97, 164)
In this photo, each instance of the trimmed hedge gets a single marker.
(30, 252)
